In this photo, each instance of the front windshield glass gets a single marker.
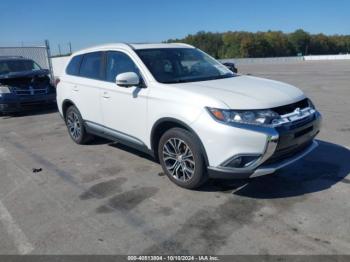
(13, 66)
(179, 65)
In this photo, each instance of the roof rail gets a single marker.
(129, 45)
(183, 44)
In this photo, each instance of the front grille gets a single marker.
(28, 92)
(301, 122)
(281, 154)
(282, 110)
(297, 135)
(303, 132)
(28, 86)
(37, 82)
(32, 104)
(294, 139)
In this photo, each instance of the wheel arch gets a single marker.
(164, 124)
(65, 105)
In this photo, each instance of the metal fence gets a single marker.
(39, 53)
(267, 60)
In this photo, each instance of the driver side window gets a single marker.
(118, 63)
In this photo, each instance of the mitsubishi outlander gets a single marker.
(187, 110)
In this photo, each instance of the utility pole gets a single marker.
(70, 48)
(306, 50)
(48, 53)
(59, 49)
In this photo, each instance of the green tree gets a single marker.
(266, 44)
(300, 41)
(208, 42)
(279, 43)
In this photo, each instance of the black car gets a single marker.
(231, 66)
(24, 85)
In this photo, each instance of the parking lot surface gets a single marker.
(57, 197)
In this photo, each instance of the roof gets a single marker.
(136, 46)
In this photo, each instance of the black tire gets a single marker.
(79, 134)
(185, 173)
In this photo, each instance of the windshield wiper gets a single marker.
(211, 78)
(224, 76)
(176, 81)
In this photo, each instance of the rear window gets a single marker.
(73, 66)
(91, 65)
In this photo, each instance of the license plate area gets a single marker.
(303, 131)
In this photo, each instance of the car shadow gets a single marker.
(327, 165)
(115, 144)
(97, 140)
(34, 111)
(132, 151)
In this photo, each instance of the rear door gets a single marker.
(86, 88)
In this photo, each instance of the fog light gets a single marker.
(242, 161)
(236, 162)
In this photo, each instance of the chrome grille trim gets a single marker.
(29, 92)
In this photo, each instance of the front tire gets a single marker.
(75, 125)
(181, 158)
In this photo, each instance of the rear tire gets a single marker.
(75, 126)
(181, 158)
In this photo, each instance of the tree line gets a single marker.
(267, 44)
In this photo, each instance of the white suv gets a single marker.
(186, 109)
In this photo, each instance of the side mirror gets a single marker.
(127, 79)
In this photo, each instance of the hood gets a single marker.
(246, 92)
(40, 72)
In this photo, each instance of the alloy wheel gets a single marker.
(178, 159)
(74, 126)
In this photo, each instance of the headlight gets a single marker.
(255, 117)
(311, 105)
(4, 89)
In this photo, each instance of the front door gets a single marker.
(124, 109)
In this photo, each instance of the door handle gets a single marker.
(105, 95)
(75, 88)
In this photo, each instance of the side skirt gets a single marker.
(114, 135)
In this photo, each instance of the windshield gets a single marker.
(179, 65)
(12, 66)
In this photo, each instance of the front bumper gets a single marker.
(222, 173)
(16, 104)
(284, 146)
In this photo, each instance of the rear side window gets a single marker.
(73, 66)
(91, 65)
